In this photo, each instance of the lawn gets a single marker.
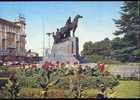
(30, 92)
(90, 93)
(127, 89)
(36, 93)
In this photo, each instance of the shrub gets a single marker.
(12, 87)
(30, 80)
(3, 82)
(118, 76)
(113, 80)
(74, 81)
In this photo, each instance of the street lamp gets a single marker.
(49, 34)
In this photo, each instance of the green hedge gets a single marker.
(3, 81)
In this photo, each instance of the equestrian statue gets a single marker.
(64, 32)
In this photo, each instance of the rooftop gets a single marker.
(8, 22)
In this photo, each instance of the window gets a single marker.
(3, 43)
(3, 28)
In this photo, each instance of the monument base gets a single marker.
(67, 51)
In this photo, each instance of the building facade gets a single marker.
(12, 37)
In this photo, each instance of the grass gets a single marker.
(4, 78)
(53, 93)
(13, 69)
(36, 93)
(10, 69)
(90, 93)
(30, 92)
(127, 89)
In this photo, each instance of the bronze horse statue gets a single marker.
(72, 26)
(64, 32)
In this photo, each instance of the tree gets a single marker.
(87, 48)
(129, 23)
(124, 48)
(96, 51)
(128, 26)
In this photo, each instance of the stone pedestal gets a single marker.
(65, 51)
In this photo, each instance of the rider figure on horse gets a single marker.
(68, 21)
(65, 32)
(67, 25)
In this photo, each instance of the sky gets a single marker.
(42, 17)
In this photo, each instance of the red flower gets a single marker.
(101, 67)
(46, 65)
